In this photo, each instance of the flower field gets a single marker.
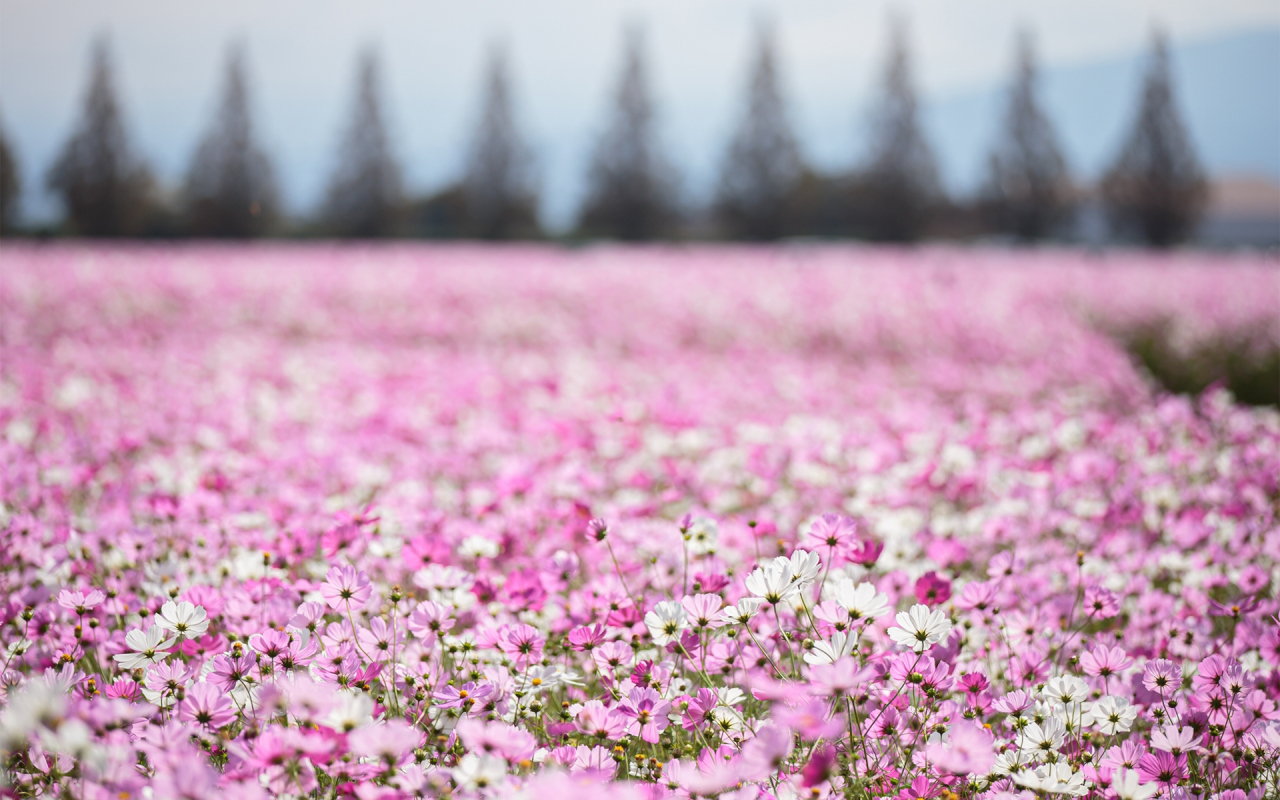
(629, 523)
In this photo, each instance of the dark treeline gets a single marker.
(1154, 191)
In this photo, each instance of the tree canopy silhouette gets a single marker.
(1156, 187)
(104, 187)
(901, 179)
(365, 195)
(10, 184)
(231, 188)
(501, 201)
(1027, 188)
(631, 192)
(763, 163)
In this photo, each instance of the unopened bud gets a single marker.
(598, 529)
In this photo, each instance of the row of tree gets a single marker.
(1154, 190)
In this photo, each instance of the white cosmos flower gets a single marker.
(666, 621)
(1053, 778)
(1065, 689)
(1112, 714)
(739, 614)
(537, 678)
(1041, 740)
(703, 536)
(479, 771)
(355, 710)
(1126, 786)
(772, 582)
(861, 601)
(841, 645)
(726, 720)
(805, 567)
(148, 647)
(185, 619)
(920, 628)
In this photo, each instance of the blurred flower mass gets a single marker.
(398, 523)
(761, 461)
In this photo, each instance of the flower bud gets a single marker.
(598, 529)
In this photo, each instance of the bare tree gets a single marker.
(231, 188)
(901, 180)
(365, 196)
(501, 201)
(10, 185)
(1156, 186)
(104, 186)
(631, 192)
(1027, 184)
(763, 164)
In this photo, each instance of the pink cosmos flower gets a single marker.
(80, 602)
(346, 587)
(597, 720)
(1101, 603)
(834, 532)
(1105, 662)
(1162, 677)
(430, 620)
(764, 754)
(521, 643)
(647, 712)
(841, 675)
(812, 720)
(967, 751)
(207, 705)
(584, 639)
(702, 609)
(1164, 768)
(465, 696)
(391, 742)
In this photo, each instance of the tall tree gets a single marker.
(231, 189)
(365, 196)
(1156, 186)
(103, 185)
(631, 192)
(501, 199)
(901, 180)
(1027, 184)
(10, 185)
(763, 163)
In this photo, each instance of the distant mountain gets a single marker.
(1228, 89)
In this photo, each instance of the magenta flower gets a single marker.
(346, 587)
(932, 589)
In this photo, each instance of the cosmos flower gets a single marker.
(919, 629)
(666, 621)
(184, 619)
(147, 648)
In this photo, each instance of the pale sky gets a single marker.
(564, 55)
